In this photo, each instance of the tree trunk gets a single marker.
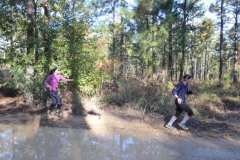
(235, 72)
(154, 69)
(12, 37)
(176, 66)
(182, 63)
(221, 43)
(46, 43)
(205, 66)
(28, 95)
(170, 44)
(195, 68)
(30, 29)
(201, 65)
(36, 37)
(136, 68)
(164, 65)
(208, 64)
(72, 48)
(192, 54)
(46, 35)
(121, 56)
(113, 39)
(170, 59)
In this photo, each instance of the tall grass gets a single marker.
(156, 97)
(149, 96)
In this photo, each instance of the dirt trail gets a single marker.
(142, 129)
(205, 129)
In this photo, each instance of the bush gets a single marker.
(137, 94)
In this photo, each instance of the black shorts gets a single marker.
(182, 107)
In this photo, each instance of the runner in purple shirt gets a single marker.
(51, 82)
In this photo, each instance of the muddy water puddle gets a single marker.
(102, 138)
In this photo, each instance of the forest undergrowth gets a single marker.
(216, 106)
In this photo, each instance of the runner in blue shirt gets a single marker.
(179, 91)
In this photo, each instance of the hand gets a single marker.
(179, 101)
(194, 92)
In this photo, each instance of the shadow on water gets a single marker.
(71, 109)
(29, 140)
(23, 137)
(81, 136)
(77, 106)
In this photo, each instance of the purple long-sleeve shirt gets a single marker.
(53, 80)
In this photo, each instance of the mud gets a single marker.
(108, 134)
(25, 136)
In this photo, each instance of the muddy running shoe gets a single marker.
(169, 126)
(57, 113)
(183, 126)
(48, 114)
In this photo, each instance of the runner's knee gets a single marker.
(51, 107)
(190, 113)
(59, 106)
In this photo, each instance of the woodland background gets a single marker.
(125, 54)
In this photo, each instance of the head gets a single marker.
(187, 78)
(55, 70)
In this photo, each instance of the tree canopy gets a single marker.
(94, 41)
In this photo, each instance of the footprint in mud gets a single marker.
(65, 112)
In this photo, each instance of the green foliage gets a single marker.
(207, 98)
(227, 80)
(149, 37)
(67, 45)
(148, 97)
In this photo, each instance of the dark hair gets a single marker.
(187, 76)
(53, 70)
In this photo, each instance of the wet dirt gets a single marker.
(112, 134)
(27, 136)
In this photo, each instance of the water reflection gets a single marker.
(19, 142)
(31, 141)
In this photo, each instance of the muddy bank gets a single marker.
(97, 132)
(104, 136)
(217, 126)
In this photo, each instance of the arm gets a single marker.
(46, 82)
(65, 79)
(176, 89)
(189, 91)
(175, 92)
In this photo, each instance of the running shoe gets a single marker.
(57, 113)
(183, 126)
(47, 114)
(169, 126)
